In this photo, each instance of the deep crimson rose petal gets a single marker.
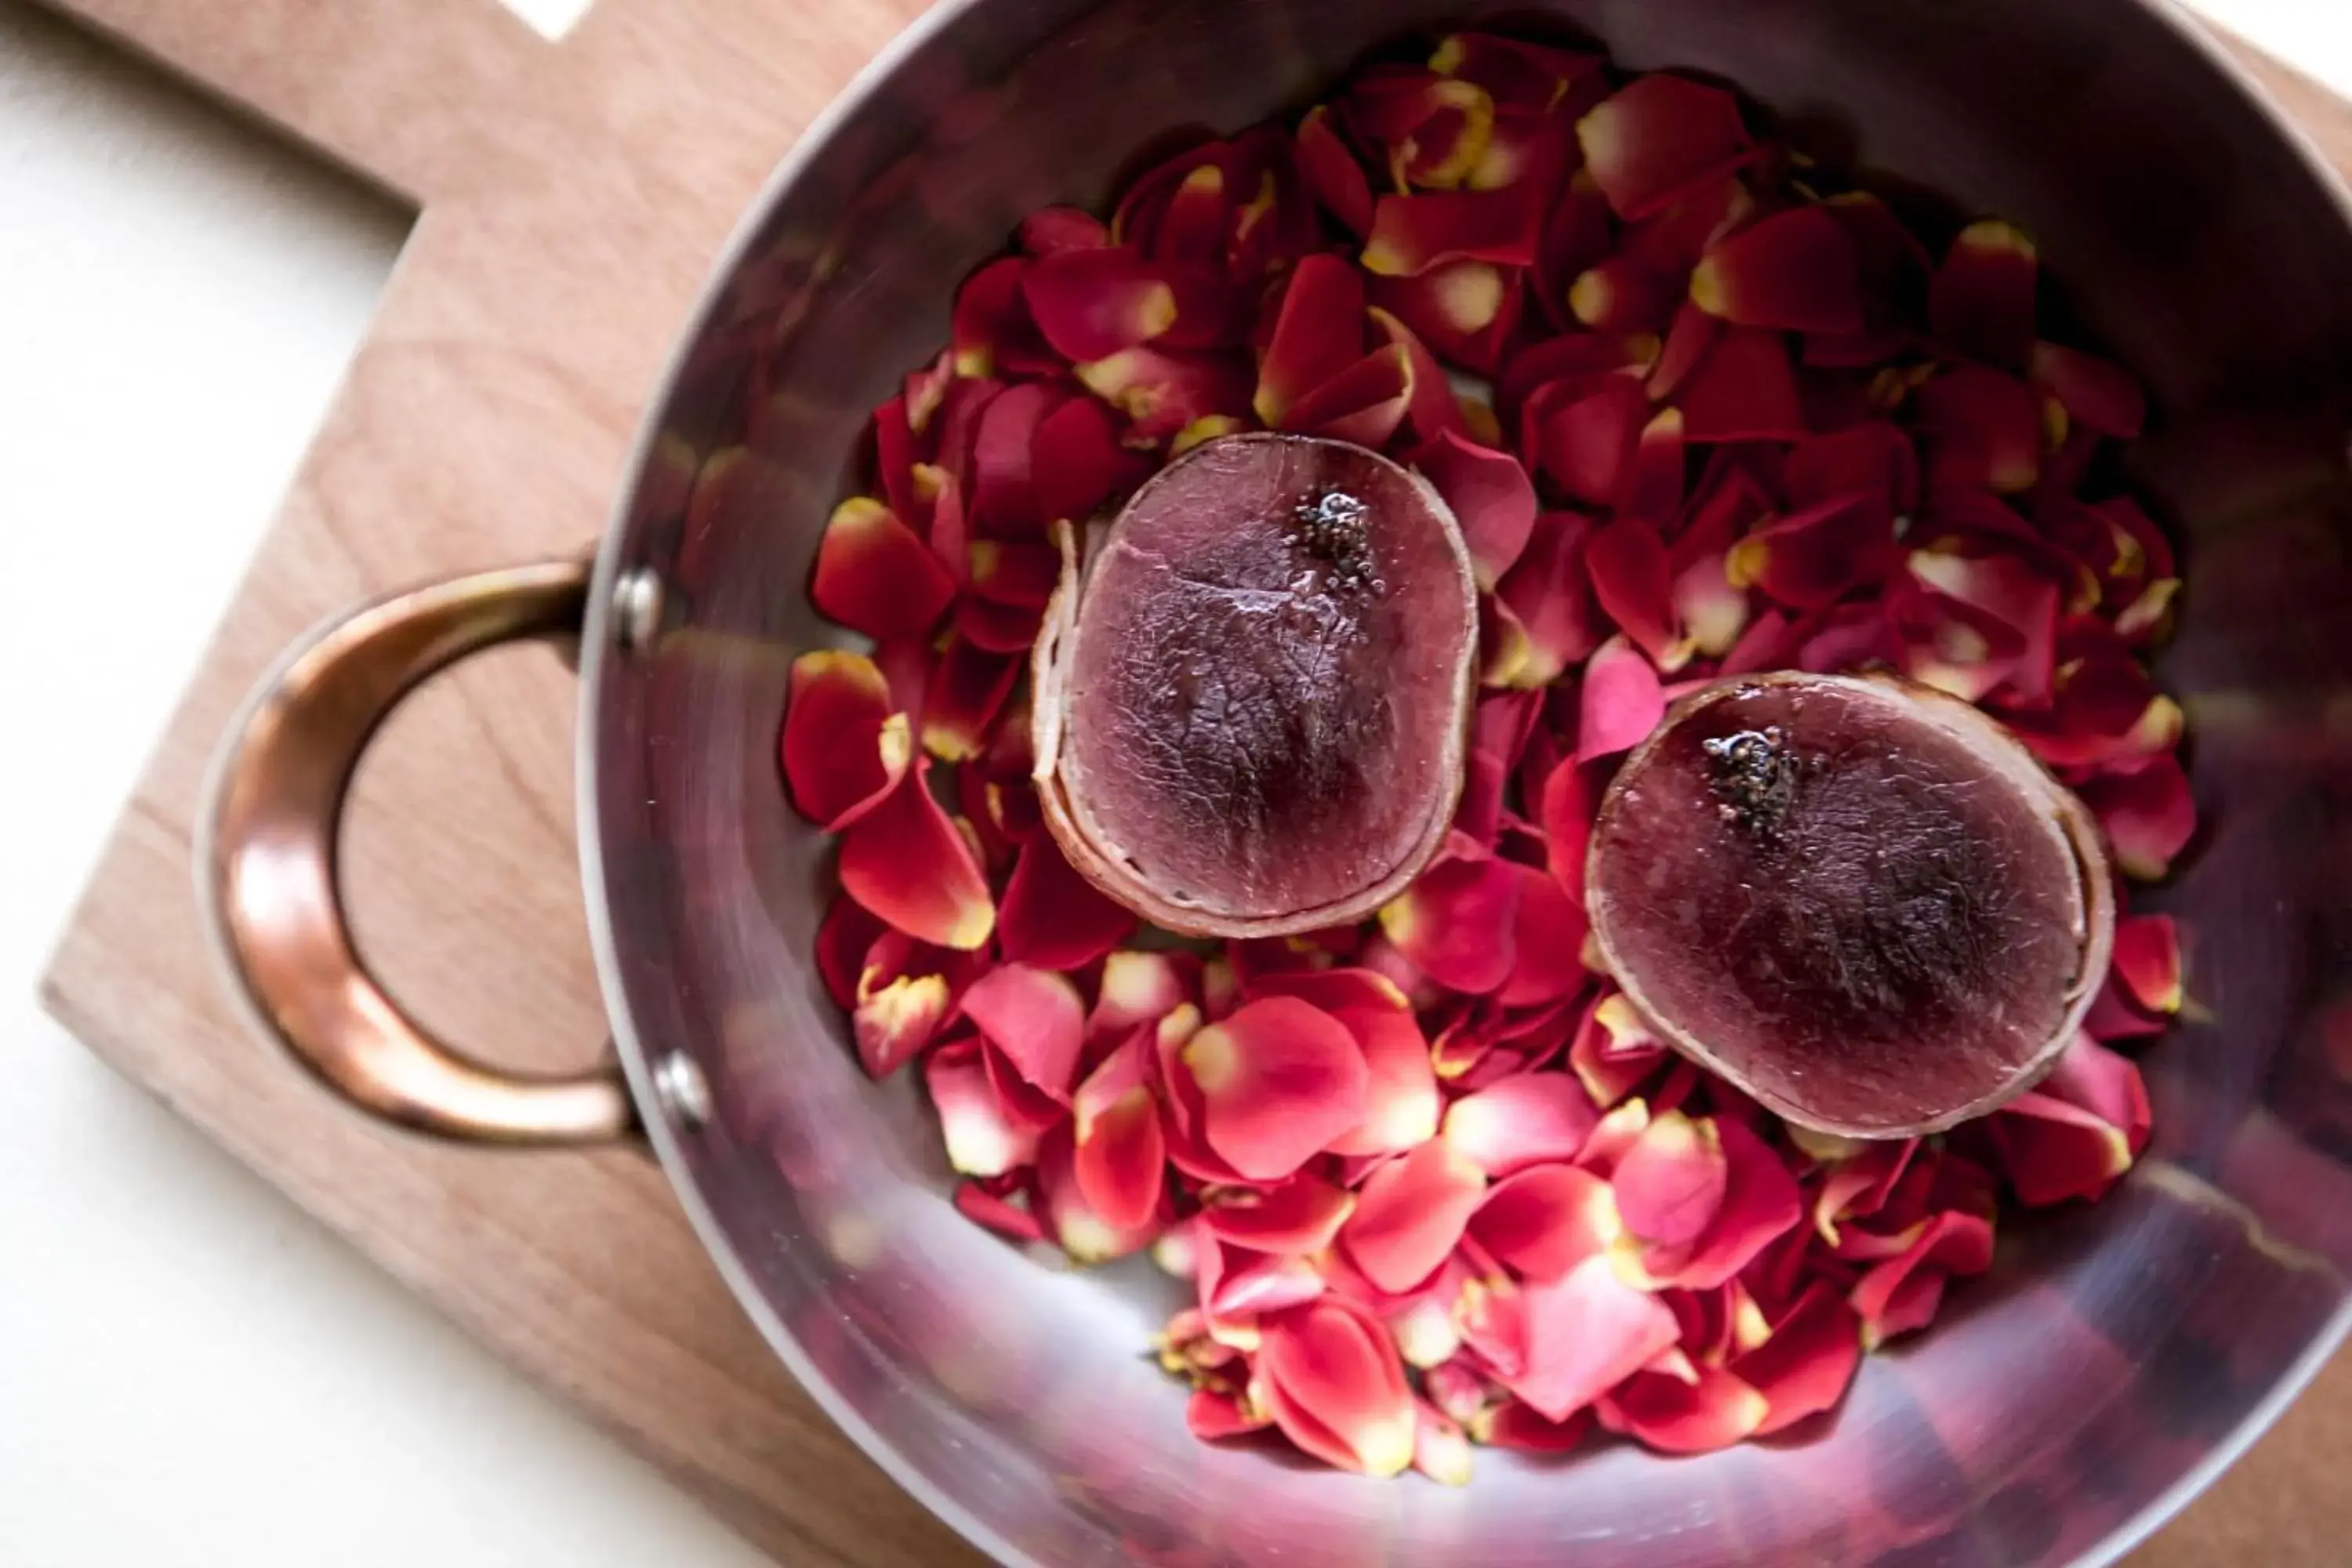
(875, 575)
(1410, 1216)
(1052, 918)
(1298, 1218)
(1902, 1293)
(1490, 496)
(1546, 1220)
(1689, 343)
(1658, 137)
(1577, 234)
(968, 689)
(992, 333)
(1161, 391)
(1364, 404)
(1586, 445)
(1979, 428)
(1673, 1417)
(1548, 595)
(1091, 304)
(1002, 498)
(1875, 459)
(905, 992)
(1670, 1185)
(1634, 581)
(1431, 407)
(1455, 921)
(1547, 943)
(1076, 462)
(904, 861)
(844, 745)
(1118, 1155)
(1586, 1333)
(1521, 74)
(1797, 270)
(1807, 1364)
(1761, 1204)
(1813, 558)
(1466, 310)
(1332, 173)
(1623, 293)
(1981, 302)
(1533, 1118)
(843, 939)
(1622, 702)
(2149, 816)
(1051, 229)
(1036, 1018)
(1318, 332)
(2075, 1135)
(981, 1140)
(1743, 388)
(1566, 812)
(1279, 1081)
(1412, 234)
(2096, 394)
(1335, 1386)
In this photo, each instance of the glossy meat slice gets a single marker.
(1861, 900)
(1252, 702)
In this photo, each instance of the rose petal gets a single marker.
(1518, 73)
(1411, 1214)
(1622, 702)
(1874, 459)
(1431, 130)
(1412, 234)
(1050, 229)
(1689, 343)
(904, 861)
(1332, 173)
(1516, 1425)
(1902, 1294)
(1623, 293)
(1455, 922)
(1401, 1098)
(1979, 428)
(1119, 1155)
(874, 575)
(1534, 1119)
(1333, 1382)
(1760, 1203)
(1659, 136)
(2096, 394)
(1214, 1415)
(2147, 961)
(1318, 332)
(1440, 1449)
(1432, 409)
(843, 938)
(1091, 304)
(1161, 391)
(1797, 270)
(1633, 579)
(1858, 1187)
(1545, 1220)
(1614, 1051)
(1364, 404)
(1585, 442)
(981, 1140)
(1036, 1018)
(843, 746)
(1813, 558)
(1547, 596)
(1466, 310)
(1982, 301)
(992, 333)
(992, 1212)
(2149, 816)
(1052, 918)
(1490, 496)
(1742, 388)
(1547, 943)
(2079, 1133)
(968, 689)
(1086, 1236)
(1670, 1183)
(1278, 1080)
(1587, 1332)
(1002, 498)
(1809, 1361)
(1297, 1218)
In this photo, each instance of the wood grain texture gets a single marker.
(574, 198)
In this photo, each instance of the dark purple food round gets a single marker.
(1861, 900)
(1251, 702)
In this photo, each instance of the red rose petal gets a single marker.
(1634, 581)
(1490, 496)
(1807, 1363)
(843, 938)
(1533, 1118)
(1364, 404)
(2149, 816)
(1982, 301)
(1087, 1237)
(1466, 310)
(1001, 1214)
(1411, 1214)
(1118, 1155)
(1214, 1415)
(1335, 1387)
(2096, 394)
(1401, 1098)
(1659, 136)
(1547, 943)
(1815, 557)
(845, 746)
(1164, 390)
(875, 575)
(1412, 234)
(1034, 1017)
(1797, 270)
(1318, 332)
(1430, 408)
(1742, 389)
(1901, 1295)
(968, 689)
(1278, 1080)
(992, 331)
(1979, 428)
(1874, 459)
(981, 1140)
(1690, 340)
(1299, 1218)
(1546, 1220)
(2079, 1133)
(1332, 173)
(1761, 1204)
(1521, 74)
(1547, 596)
(1052, 918)
(904, 861)
(1455, 922)
(1585, 442)
(1051, 229)
(1623, 293)
(2147, 961)
(1091, 304)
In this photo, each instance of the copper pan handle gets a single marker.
(269, 865)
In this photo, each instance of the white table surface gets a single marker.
(191, 1371)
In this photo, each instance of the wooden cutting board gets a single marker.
(573, 197)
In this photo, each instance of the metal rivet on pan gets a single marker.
(683, 1089)
(637, 608)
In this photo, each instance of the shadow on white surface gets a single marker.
(192, 1372)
